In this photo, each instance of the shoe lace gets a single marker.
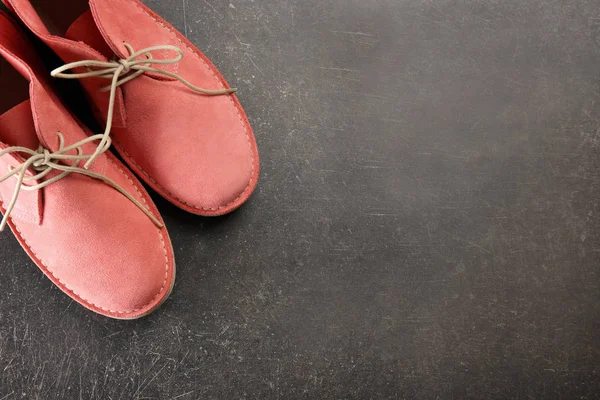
(121, 71)
(44, 162)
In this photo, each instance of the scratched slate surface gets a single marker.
(426, 224)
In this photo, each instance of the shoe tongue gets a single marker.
(84, 30)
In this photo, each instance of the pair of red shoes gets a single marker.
(78, 212)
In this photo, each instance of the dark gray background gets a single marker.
(426, 224)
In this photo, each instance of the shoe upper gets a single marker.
(197, 151)
(87, 237)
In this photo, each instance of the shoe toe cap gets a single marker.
(104, 253)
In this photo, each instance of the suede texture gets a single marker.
(89, 239)
(197, 151)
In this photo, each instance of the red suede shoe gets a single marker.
(145, 80)
(94, 232)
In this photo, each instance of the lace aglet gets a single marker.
(159, 224)
(3, 224)
(91, 160)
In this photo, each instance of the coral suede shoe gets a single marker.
(93, 231)
(170, 113)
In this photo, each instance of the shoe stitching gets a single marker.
(80, 297)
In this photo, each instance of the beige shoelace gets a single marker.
(44, 162)
(122, 71)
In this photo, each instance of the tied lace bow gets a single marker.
(44, 162)
(122, 71)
